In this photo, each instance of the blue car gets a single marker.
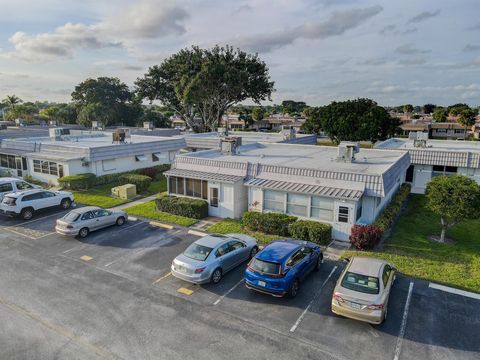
(281, 266)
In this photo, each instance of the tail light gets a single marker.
(199, 270)
(337, 297)
(375, 306)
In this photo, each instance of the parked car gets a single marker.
(12, 184)
(80, 222)
(281, 266)
(212, 256)
(26, 203)
(363, 290)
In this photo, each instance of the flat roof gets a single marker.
(248, 136)
(368, 161)
(442, 145)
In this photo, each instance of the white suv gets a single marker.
(11, 184)
(25, 203)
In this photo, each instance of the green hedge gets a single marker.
(192, 208)
(141, 181)
(313, 231)
(385, 219)
(77, 182)
(113, 178)
(268, 223)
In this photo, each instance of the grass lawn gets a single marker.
(149, 211)
(413, 253)
(98, 196)
(235, 226)
(158, 186)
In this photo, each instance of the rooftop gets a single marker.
(433, 145)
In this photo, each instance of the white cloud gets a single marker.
(424, 15)
(409, 49)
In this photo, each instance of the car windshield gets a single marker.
(71, 216)
(197, 252)
(265, 267)
(361, 283)
(9, 200)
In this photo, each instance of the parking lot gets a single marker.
(111, 295)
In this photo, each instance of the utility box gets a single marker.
(127, 191)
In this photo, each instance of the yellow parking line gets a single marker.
(165, 226)
(86, 258)
(163, 277)
(185, 291)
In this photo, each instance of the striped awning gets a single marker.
(338, 193)
(201, 175)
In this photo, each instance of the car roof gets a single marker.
(9, 179)
(279, 250)
(212, 241)
(84, 209)
(366, 265)
(25, 192)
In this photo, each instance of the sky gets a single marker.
(318, 51)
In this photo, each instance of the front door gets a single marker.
(213, 201)
(344, 219)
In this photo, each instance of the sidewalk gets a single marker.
(136, 202)
(335, 249)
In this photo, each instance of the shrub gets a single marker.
(385, 219)
(365, 237)
(192, 208)
(151, 172)
(141, 181)
(77, 182)
(311, 231)
(268, 223)
(31, 180)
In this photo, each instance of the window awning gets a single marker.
(161, 155)
(193, 174)
(319, 190)
(140, 158)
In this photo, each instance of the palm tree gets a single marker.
(12, 100)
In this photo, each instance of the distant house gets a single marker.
(437, 157)
(340, 186)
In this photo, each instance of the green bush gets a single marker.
(114, 178)
(192, 208)
(77, 182)
(141, 181)
(268, 223)
(385, 219)
(313, 231)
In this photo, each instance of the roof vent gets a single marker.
(419, 139)
(148, 125)
(288, 132)
(347, 151)
(97, 125)
(230, 145)
(121, 136)
(56, 134)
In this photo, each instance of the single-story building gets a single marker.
(340, 186)
(73, 152)
(431, 158)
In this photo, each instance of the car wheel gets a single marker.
(253, 252)
(83, 233)
(319, 262)
(120, 221)
(27, 214)
(66, 203)
(217, 276)
(294, 288)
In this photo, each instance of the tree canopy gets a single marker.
(258, 113)
(428, 108)
(454, 199)
(352, 120)
(292, 107)
(206, 82)
(440, 114)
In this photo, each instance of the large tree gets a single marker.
(428, 108)
(356, 120)
(454, 199)
(312, 124)
(467, 118)
(408, 108)
(110, 95)
(258, 113)
(456, 109)
(440, 114)
(206, 82)
(292, 107)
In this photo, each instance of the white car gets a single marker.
(12, 184)
(25, 203)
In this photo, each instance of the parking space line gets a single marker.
(163, 277)
(185, 291)
(34, 220)
(128, 227)
(401, 334)
(228, 292)
(19, 233)
(45, 235)
(454, 291)
(302, 315)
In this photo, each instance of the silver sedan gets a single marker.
(80, 222)
(211, 256)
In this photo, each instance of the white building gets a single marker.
(328, 184)
(437, 157)
(48, 158)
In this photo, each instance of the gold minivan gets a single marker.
(363, 289)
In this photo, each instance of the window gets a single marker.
(321, 208)
(361, 283)
(204, 189)
(140, 158)
(60, 170)
(197, 252)
(189, 187)
(439, 170)
(343, 214)
(47, 167)
(31, 197)
(36, 166)
(197, 188)
(386, 274)
(223, 250)
(235, 245)
(87, 216)
(100, 213)
(306, 250)
(172, 185)
(6, 187)
(47, 194)
(265, 267)
(22, 185)
(359, 210)
(296, 258)
(4, 161)
(214, 197)
(297, 204)
(274, 201)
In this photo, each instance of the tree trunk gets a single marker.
(444, 230)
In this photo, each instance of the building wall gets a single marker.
(421, 176)
(473, 174)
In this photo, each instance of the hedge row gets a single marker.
(385, 219)
(142, 182)
(192, 208)
(286, 225)
(88, 180)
